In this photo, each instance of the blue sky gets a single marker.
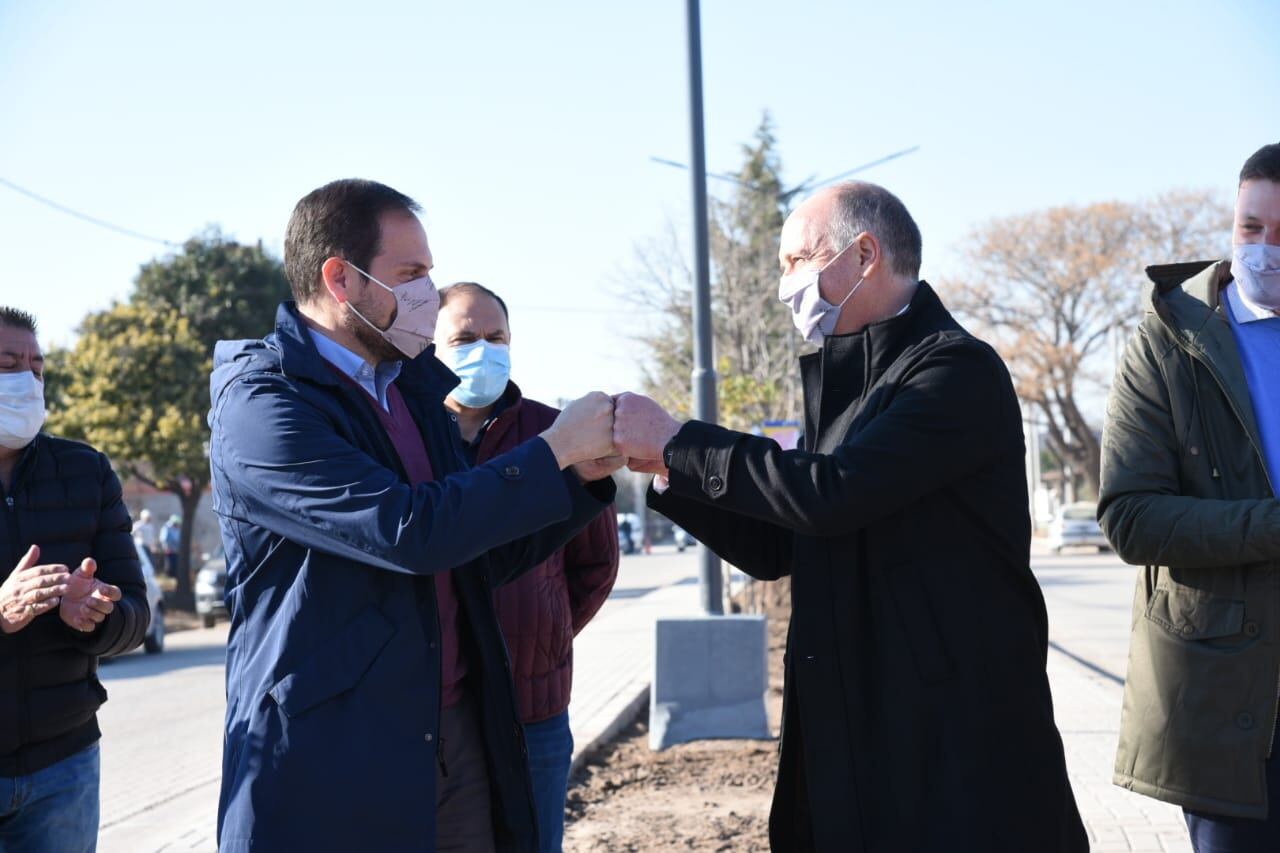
(525, 129)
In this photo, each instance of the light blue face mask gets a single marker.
(484, 369)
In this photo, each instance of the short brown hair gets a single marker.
(1263, 165)
(340, 219)
(473, 287)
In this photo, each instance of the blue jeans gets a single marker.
(1221, 834)
(54, 810)
(550, 745)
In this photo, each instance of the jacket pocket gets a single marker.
(336, 666)
(1195, 617)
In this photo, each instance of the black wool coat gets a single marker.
(918, 715)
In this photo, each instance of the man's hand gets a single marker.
(88, 601)
(29, 591)
(598, 469)
(641, 430)
(583, 432)
(649, 466)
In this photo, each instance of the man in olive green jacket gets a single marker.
(1190, 461)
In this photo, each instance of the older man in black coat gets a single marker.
(918, 715)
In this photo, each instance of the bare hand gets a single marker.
(648, 466)
(29, 591)
(583, 432)
(641, 429)
(88, 601)
(598, 469)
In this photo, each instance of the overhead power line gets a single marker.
(93, 220)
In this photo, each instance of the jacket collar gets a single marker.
(509, 413)
(847, 365)
(1187, 299)
(300, 359)
(878, 345)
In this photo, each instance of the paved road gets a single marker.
(162, 745)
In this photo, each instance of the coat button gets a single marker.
(1195, 451)
(1244, 720)
(715, 484)
(1188, 630)
(430, 737)
(1251, 629)
(511, 471)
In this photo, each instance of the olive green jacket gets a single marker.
(1185, 494)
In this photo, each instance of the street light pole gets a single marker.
(704, 375)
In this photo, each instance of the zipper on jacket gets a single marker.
(1222, 386)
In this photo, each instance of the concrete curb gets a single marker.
(584, 751)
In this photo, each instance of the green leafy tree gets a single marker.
(136, 383)
(756, 345)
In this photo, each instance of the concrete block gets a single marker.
(710, 677)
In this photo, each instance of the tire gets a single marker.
(208, 620)
(154, 641)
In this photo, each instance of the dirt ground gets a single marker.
(709, 795)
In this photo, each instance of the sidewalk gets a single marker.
(1088, 714)
(613, 656)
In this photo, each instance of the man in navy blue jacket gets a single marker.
(369, 698)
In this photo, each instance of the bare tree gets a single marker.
(756, 346)
(1050, 290)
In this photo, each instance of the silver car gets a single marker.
(1077, 525)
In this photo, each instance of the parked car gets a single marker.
(682, 537)
(153, 642)
(211, 587)
(1077, 525)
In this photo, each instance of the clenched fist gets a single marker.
(641, 430)
(583, 432)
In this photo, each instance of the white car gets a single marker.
(153, 642)
(1077, 525)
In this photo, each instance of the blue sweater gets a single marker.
(1259, 344)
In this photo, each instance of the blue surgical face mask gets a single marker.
(483, 367)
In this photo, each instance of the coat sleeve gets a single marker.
(758, 548)
(113, 550)
(588, 504)
(1141, 510)
(951, 414)
(591, 567)
(280, 463)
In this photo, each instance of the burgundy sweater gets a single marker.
(412, 450)
(542, 611)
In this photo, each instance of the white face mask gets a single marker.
(813, 316)
(1256, 268)
(21, 409)
(417, 308)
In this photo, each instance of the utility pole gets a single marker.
(704, 374)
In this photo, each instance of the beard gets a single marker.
(378, 346)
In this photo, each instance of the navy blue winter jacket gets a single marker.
(333, 662)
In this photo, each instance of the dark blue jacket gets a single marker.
(333, 662)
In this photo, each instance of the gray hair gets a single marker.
(871, 208)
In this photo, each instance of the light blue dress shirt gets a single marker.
(373, 379)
